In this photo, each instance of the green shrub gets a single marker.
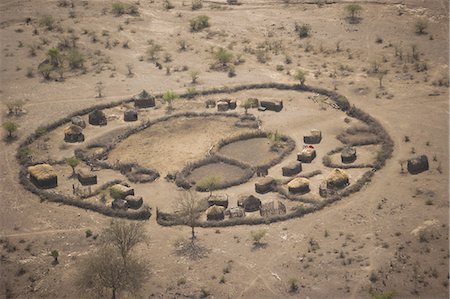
(303, 30)
(421, 25)
(75, 59)
(47, 21)
(119, 8)
(199, 23)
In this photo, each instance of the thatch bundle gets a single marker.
(314, 138)
(292, 168)
(418, 164)
(86, 177)
(271, 105)
(272, 208)
(97, 118)
(119, 204)
(73, 133)
(264, 185)
(337, 178)
(218, 200)
(235, 212)
(298, 185)
(249, 203)
(215, 213)
(144, 100)
(348, 155)
(134, 202)
(120, 191)
(43, 176)
(222, 106)
(306, 155)
(78, 121)
(130, 115)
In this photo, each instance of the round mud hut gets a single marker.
(235, 212)
(78, 121)
(348, 155)
(298, 185)
(218, 200)
(86, 177)
(292, 168)
(144, 100)
(210, 103)
(43, 176)
(130, 115)
(97, 118)
(222, 106)
(215, 213)
(134, 202)
(73, 133)
(313, 138)
(418, 164)
(119, 191)
(264, 185)
(337, 179)
(307, 155)
(249, 203)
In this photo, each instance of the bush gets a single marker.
(257, 236)
(421, 25)
(353, 10)
(75, 59)
(199, 23)
(197, 4)
(293, 285)
(47, 21)
(303, 30)
(10, 127)
(120, 8)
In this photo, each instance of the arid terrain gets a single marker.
(388, 240)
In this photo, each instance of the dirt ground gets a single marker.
(367, 243)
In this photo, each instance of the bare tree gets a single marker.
(124, 236)
(99, 89)
(103, 273)
(190, 208)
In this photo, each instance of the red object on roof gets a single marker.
(310, 146)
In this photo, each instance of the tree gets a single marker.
(103, 272)
(300, 75)
(247, 105)
(55, 57)
(130, 69)
(353, 10)
(99, 88)
(189, 209)
(194, 76)
(168, 97)
(10, 127)
(55, 255)
(381, 75)
(209, 183)
(223, 57)
(72, 162)
(257, 236)
(75, 59)
(303, 30)
(421, 25)
(124, 236)
(153, 51)
(45, 69)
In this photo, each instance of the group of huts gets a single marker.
(218, 207)
(262, 105)
(73, 132)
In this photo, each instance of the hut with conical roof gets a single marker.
(144, 100)
(73, 133)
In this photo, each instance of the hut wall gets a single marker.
(44, 184)
(144, 103)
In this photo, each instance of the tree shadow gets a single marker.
(353, 20)
(259, 245)
(190, 249)
(9, 139)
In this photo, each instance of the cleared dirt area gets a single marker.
(254, 151)
(225, 172)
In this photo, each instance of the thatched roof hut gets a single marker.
(134, 202)
(264, 185)
(307, 155)
(249, 203)
(119, 191)
(97, 118)
(337, 178)
(348, 155)
(86, 177)
(144, 100)
(235, 212)
(222, 105)
(272, 208)
(73, 133)
(272, 105)
(215, 213)
(119, 204)
(43, 176)
(232, 104)
(418, 164)
(218, 200)
(78, 121)
(130, 115)
(314, 138)
(298, 185)
(292, 168)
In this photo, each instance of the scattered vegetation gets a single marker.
(199, 23)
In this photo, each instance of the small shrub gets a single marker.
(196, 4)
(167, 5)
(88, 233)
(48, 22)
(421, 25)
(293, 285)
(257, 236)
(303, 30)
(75, 59)
(120, 8)
(199, 23)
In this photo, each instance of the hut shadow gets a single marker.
(190, 249)
(258, 246)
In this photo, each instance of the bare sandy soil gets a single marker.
(367, 243)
